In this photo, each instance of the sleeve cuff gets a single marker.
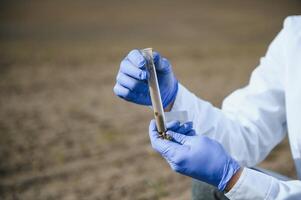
(251, 185)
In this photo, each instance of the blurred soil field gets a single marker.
(63, 133)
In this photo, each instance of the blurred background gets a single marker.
(63, 133)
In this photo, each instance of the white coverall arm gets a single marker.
(252, 119)
(251, 123)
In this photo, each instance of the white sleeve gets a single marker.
(252, 119)
(257, 186)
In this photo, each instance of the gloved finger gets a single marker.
(176, 126)
(136, 58)
(173, 125)
(129, 69)
(191, 133)
(177, 137)
(161, 64)
(165, 147)
(123, 92)
(131, 83)
(185, 128)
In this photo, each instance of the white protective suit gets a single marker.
(254, 119)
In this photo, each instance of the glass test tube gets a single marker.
(155, 92)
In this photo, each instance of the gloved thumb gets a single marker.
(164, 147)
(177, 137)
(161, 63)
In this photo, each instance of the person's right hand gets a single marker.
(131, 81)
(197, 156)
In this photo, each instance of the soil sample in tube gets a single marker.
(155, 92)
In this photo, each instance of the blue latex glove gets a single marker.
(131, 81)
(194, 155)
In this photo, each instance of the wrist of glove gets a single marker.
(131, 81)
(194, 155)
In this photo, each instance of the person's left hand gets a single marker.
(194, 155)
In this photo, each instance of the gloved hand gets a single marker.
(131, 81)
(194, 155)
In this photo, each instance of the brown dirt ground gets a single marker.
(64, 135)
